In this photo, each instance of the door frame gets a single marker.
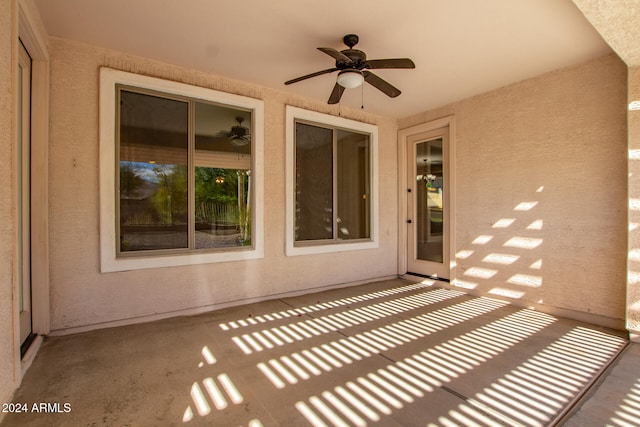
(405, 136)
(32, 35)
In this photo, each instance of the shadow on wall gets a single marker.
(507, 260)
(633, 257)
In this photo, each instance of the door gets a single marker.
(24, 197)
(428, 209)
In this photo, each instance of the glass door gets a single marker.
(428, 194)
(24, 197)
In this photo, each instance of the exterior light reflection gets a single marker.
(525, 280)
(215, 394)
(271, 376)
(537, 265)
(202, 406)
(523, 242)
(535, 225)
(503, 223)
(525, 206)
(481, 273)
(503, 259)
(482, 240)
(208, 356)
(358, 404)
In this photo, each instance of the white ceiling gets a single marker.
(460, 47)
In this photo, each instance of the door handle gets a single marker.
(408, 221)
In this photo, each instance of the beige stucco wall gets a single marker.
(542, 178)
(81, 295)
(8, 363)
(633, 289)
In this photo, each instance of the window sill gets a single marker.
(193, 258)
(293, 250)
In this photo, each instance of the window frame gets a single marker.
(110, 258)
(298, 115)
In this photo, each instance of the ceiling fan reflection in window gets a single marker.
(238, 136)
(353, 67)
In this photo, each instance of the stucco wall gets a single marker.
(8, 362)
(542, 178)
(81, 295)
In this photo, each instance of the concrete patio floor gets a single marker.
(391, 353)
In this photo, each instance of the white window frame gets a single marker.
(293, 114)
(109, 262)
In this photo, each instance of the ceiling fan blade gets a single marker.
(336, 94)
(381, 84)
(338, 56)
(308, 76)
(391, 63)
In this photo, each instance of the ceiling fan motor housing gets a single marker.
(356, 56)
(357, 59)
(239, 130)
(351, 40)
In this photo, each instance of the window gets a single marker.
(181, 174)
(157, 181)
(332, 185)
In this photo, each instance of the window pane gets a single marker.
(153, 173)
(222, 177)
(429, 196)
(314, 183)
(353, 185)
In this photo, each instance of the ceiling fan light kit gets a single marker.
(350, 79)
(354, 70)
(239, 141)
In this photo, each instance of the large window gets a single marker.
(168, 201)
(186, 181)
(331, 183)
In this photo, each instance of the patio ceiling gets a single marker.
(460, 47)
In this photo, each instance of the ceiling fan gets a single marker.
(353, 67)
(238, 136)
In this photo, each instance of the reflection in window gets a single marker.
(184, 174)
(222, 177)
(222, 213)
(429, 196)
(332, 182)
(153, 172)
